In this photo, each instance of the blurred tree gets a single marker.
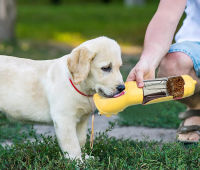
(56, 2)
(7, 19)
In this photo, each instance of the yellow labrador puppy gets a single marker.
(60, 90)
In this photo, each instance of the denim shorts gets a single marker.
(190, 48)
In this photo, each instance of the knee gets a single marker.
(173, 64)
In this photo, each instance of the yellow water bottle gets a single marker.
(154, 91)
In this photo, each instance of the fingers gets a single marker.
(136, 75)
(139, 78)
(141, 71)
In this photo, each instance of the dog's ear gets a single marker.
(79, 63)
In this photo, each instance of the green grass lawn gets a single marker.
(12, 130)
(33, 50)
(163, 115)
(109, 153)
(74, 23)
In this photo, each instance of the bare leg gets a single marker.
(179, 63)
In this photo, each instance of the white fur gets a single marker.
(40, 91)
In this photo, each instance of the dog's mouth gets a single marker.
(103, 94)
(119, 94)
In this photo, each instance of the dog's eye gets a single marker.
(106, 69)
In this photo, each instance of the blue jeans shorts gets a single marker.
(190, 48)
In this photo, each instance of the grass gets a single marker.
(163, 115)
(33, 50)
(75, 23)
(109, 153)
(12, 131)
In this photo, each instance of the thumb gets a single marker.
(131, 76)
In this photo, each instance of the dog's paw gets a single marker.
(89, 156)
(73, 157)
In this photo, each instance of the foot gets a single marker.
(89, 156)
(190, 136)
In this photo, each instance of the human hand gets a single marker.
(143, 70)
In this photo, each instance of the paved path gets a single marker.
(101, 123)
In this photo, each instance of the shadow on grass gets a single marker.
(163, 115)
(12, 131)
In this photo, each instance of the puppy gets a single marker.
(59, 91)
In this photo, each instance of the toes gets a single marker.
(191, 136)
(194, 137)
(183, 137)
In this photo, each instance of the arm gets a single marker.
(158, 38)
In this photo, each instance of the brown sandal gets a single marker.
(185, 129)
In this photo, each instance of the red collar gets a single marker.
(78, 89)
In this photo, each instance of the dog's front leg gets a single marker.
(65, 128)
(82, 129)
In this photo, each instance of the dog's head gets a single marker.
(98, 62)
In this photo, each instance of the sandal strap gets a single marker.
(185, 129)
(189, 113)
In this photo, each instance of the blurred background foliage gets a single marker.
(74, 21)
(78, 1)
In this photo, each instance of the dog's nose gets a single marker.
(120, 87)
